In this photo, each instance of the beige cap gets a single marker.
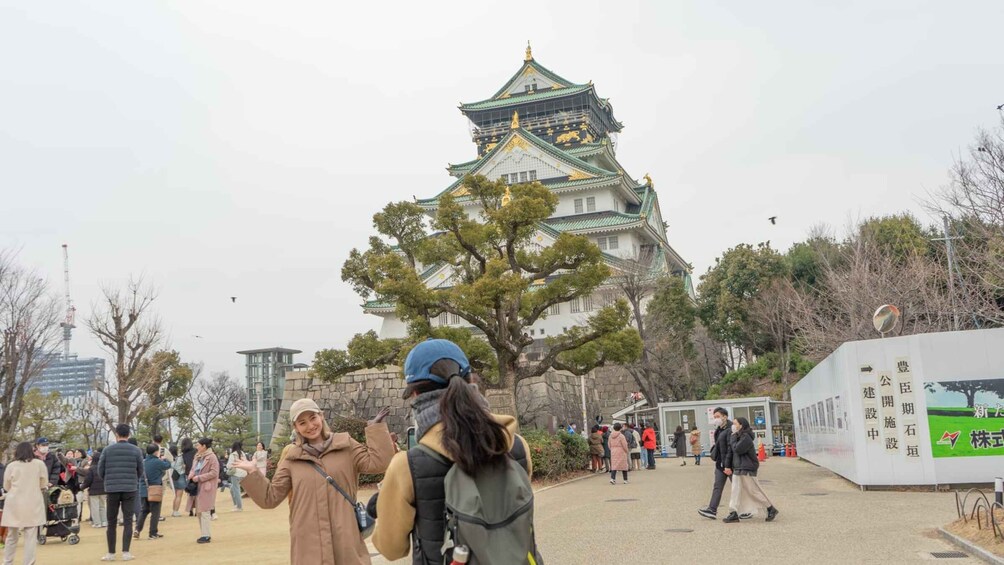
(301, 406)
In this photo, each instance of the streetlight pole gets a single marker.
(258, 401)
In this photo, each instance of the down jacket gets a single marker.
(744, 460)
(121, 467)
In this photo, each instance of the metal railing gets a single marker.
(983, 511)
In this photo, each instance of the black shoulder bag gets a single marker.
(363, 519)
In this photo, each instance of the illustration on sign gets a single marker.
(966, 418)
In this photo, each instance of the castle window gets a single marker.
(591, 204)
(576, 308)
(605, 243)
(455, 318)
(533, 175)
(522, 177)
(555, 309)
(587, 303)
(443, 319)
(578, 205)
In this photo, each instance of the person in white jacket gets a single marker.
(24, 483)
(236, 474)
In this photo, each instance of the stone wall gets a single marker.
(543, 402)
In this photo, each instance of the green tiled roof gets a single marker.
(543, 146)
(541, 69)
(592, 221)
(533, 97)
(376, 304)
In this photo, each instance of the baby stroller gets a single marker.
(62, 517)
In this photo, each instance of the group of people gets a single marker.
(119, 484)
(621, 448)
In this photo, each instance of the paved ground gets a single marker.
(593, 522)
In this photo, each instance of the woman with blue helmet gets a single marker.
(453, 420)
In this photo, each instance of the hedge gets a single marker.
(555, 455)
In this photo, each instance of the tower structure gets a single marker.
(71, 311)
(542, 127)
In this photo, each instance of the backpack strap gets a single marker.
(332, 482)
(434, 454)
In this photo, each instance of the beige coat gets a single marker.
(396, 503)
(24, 503)
(322, 524)
(208, 479)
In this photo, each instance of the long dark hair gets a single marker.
(24, 452)
(186, 444)
(237, 448)
(471, 437)
(744, 425)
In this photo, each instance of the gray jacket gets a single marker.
(121, 467)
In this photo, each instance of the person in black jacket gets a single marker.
(722, 456)
(96, 497)
(52, 464)
(747, 494)
(121, 467)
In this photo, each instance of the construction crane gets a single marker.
(71, 311)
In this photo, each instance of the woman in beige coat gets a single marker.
(322, 523)
(24, 482)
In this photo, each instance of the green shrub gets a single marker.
(547, 453)
(777, 375)
(576, 450)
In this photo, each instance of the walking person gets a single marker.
(457, 433)
(721, 454)
(680, 444)
(695, 445)
(187, 457)
(747, 494)
(649, 443)
(260, 458)
(205, 474)
(636, 449)
(322, 522)
(596, 449)
(163, 451)
(24, 482)
(121, 467)
(606, 449)
(97, 500)
(236, 474)
(151, 490)
(619, 454)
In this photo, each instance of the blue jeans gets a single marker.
(644, 457)
(235, 491)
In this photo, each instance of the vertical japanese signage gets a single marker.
(907, 407)
(887, 410)
(869, 398)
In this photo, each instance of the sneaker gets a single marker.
(108, 557)
(746, 516)
(204, 539)
(771, 514)
(613, 482)
(155, 536)
(708, 513)
(215, 517)
(176, 514)
(732, 518)
(625, 481)
(126, 556)
(237, 510)
(135, 535)
(163, 519)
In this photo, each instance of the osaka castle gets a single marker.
(542, 127)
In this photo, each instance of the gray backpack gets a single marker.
(491, 514)
(632, 443)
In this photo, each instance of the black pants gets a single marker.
(613, 475)
(651, 458)
(127, 502)
(151, 509)
(716, 493)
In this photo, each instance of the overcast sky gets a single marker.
(240, 148)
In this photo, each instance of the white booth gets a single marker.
(915, 410)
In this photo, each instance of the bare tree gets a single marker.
(773, 310)
(126, 328)
(637, 279)
(29, 324)
(840, 308)
(214, 397)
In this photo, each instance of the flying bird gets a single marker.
(773, 220)
(1000, 106)
(197, 336)
(233, 299)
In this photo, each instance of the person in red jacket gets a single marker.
(648, 442)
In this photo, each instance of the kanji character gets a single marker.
(869, 392)
(912, 451)
(887, 401)
(873, 433)
(911, 430)
(885, 380)
(980, 411)
(979, 439)
(908, 408)
(905, 388)
(891, 443)
(890, 422)
(871, 413)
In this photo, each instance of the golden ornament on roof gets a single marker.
(648, 180)
(529, 53)
(507, 197)
(515, 120)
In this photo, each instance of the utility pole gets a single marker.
(950, 254)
